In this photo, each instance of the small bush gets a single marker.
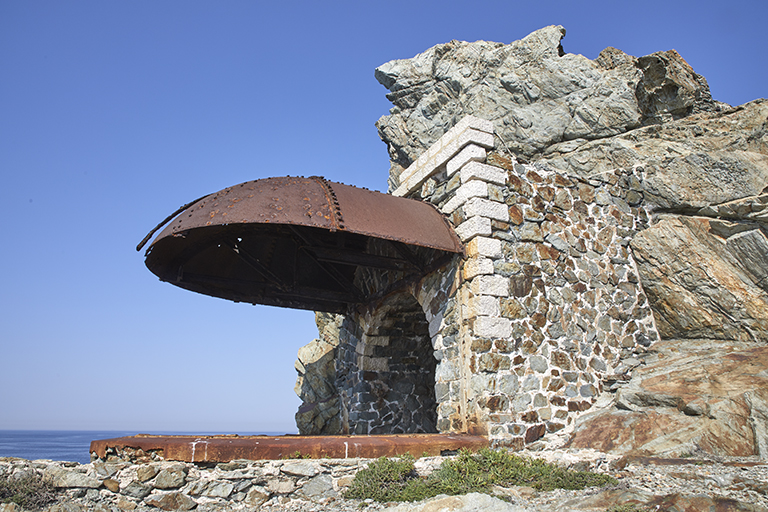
(28, 491)
(396, 480)
(383, 480)
(512, 470)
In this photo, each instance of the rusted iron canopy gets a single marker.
(227, 448)
(303, 243)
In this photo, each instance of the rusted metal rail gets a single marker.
(232, 447)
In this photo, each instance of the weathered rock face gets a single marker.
(697, 159)
(320, 411)
(535, 94)
(691, 163)
(689, 396)
(702, 283)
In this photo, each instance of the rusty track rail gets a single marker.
(232, 447)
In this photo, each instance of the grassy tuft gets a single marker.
(396, 480)
(29, 492)
(296, 455)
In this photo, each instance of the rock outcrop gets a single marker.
(704, 164)
(536, 95)
(689, 397)
(320, 412)
(700, 166)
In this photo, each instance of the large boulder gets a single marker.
(705, 278)
(689, 397)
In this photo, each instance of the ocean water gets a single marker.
(69, 445)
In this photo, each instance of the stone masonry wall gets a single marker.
(371, 372)
(143, 483)
(386, 370)
(550, 302)
(523, 333)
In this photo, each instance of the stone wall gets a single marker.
(375, 372)
(317, 485)
(527, 328)
(148, 484)
(386, 369)
(551, 301)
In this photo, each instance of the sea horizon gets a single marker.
(74, 445)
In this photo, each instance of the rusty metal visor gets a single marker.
(303, 243)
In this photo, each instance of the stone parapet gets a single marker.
(117, 484)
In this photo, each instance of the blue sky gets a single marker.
(113, 114)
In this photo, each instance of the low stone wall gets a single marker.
(237, 485)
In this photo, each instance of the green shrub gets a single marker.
(29, 491)
(396, 480)
(383, 480)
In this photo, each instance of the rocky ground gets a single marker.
(738, 484)
(683, 484)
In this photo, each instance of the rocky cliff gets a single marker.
(701, 166)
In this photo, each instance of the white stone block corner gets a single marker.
(470, 153)
(477, 170)
(471, 132)
(490, 327)
(472, 227)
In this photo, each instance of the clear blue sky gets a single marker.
(113, 114)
